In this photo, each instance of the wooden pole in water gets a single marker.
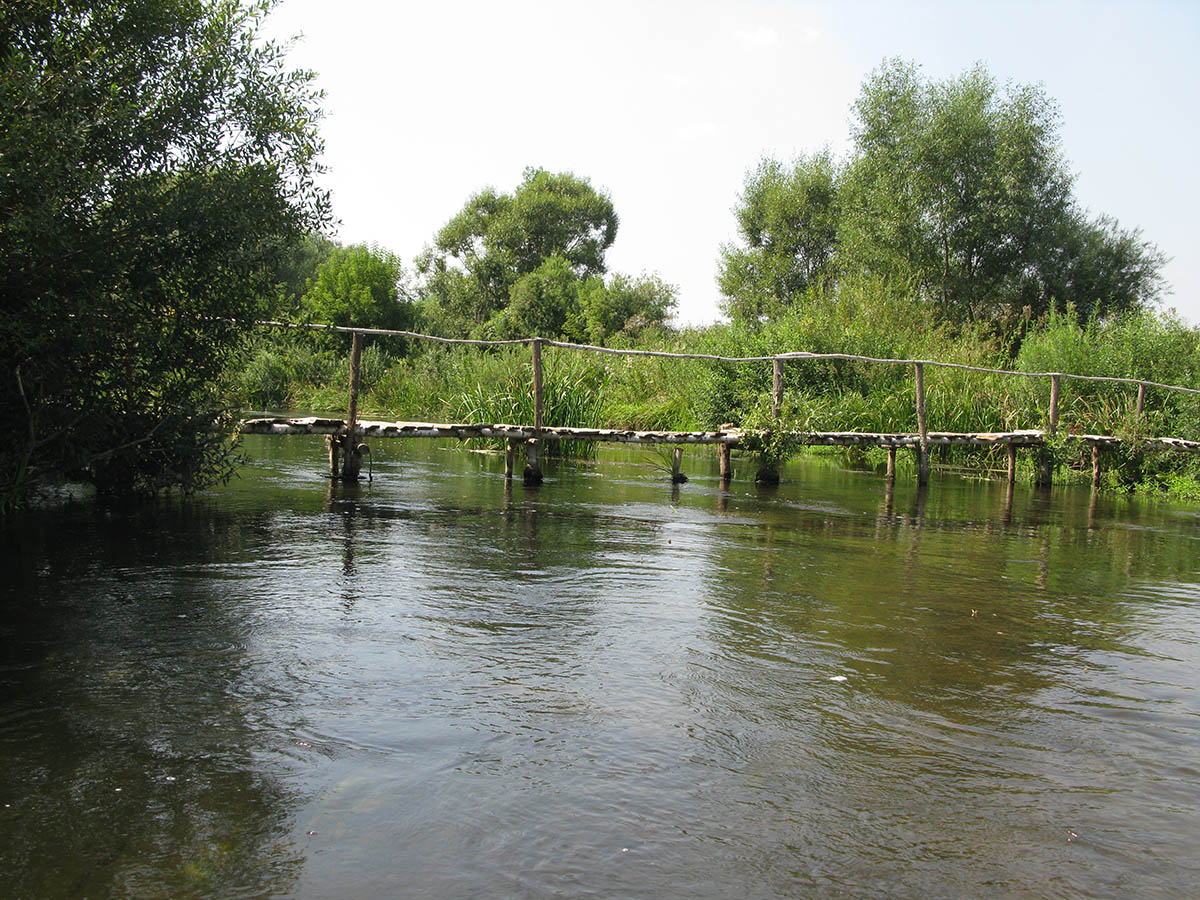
(891, 463)
(533, 456)
(1011, 450)
(537, 383)
(1141, 406)
(1045, 476)
(533, 462)
(351, 458)
(1095, 465)
(923, 447)
(777, 388)
(723, 457)
(510, 451)
(677, 476)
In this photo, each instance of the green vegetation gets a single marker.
(158, 166)
(157, 160)
(957, 189)
(532, 262)
(591, 390)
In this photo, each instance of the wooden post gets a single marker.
(537, 384)
(533, 462)
(891, 463)
(724, 459)
(1046, 475)
(1055, 386)
(923, 448)
(351, 458)
(677, 476)
(1141, 406)
(777, 388)
(510, 452)
(1095, 465)
(335, 449)
(1011, 450)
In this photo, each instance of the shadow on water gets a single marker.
(131, 719)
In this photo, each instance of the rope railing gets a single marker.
(666, 354)
(533, 471)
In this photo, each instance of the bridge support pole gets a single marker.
(335, 455)
(724, 458)
(923, 446)
(1011, 452)
(533, 462)
(776, 388)
(1095, 466)
(352, 450)
(891, 463)
(510, 452)
(677, 476)
(1046, 471)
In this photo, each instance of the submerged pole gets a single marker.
(923, 447)
(1046, 473)
(677, 476)
(724, 457)
(351, 452)
(533, 452)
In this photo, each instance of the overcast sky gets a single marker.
(667, 105)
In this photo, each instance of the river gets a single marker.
(441, 685)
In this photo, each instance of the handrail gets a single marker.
(665, 354)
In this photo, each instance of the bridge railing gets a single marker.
(777, 360)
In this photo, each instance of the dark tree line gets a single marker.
(157, 160)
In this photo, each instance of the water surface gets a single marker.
(440, 684)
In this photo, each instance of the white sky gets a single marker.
(666, 105)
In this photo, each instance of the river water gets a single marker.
(441, 685)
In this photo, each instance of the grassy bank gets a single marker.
(438, 383)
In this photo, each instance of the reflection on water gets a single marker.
(440, 684)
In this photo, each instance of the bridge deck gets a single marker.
(732, 437)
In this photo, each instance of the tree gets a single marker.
(157, 160)
(788, 220)
(359, 286)
(497, 239)
(624, 306)
(957, 188)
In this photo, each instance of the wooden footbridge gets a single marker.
(346, 438)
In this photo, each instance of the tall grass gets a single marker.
(437, 383)
(498, 388)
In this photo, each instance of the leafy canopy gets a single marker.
(532, 263)
(956, 188)
(156, 160)
(359, 286)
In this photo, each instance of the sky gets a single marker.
(668, 105)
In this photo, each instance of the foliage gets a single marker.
(359, 286)
(869, 319)
(957, 189)
(156, 159)
(532, 264)
(624, 307)
(788, 220)
(496, 239)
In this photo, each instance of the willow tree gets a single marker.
(156, 159)
(958, 189)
